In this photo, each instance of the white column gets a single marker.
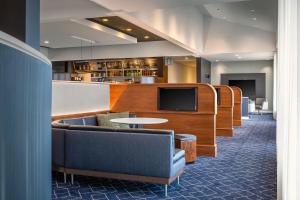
(288, 101)
(275, 65)
(298, 130)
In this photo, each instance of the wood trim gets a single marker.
(77, 115)
(207, 150)
(224, 116)
(120, 176)
(225, 132)
(237, 109)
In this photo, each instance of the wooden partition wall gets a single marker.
(141, 99)
(225, 111)
(237, 108)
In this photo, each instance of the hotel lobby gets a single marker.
(144, 100)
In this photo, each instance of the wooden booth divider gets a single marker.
(237, 108)
(142, 100)
(225, 102)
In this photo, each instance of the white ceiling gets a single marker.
(64, 33)
(141, 5)
(260, 14)
(57, 28)
(57, 10)
(237, 11)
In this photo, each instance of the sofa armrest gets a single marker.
(178, 155)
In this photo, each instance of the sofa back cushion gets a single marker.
(90, 121)
(75, 121)
(104, 119)
(136, 153)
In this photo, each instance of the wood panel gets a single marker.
(237, 108)
(141, 99)
(224, 126)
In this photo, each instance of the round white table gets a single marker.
(139, 121)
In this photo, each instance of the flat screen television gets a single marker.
(248, 87)
(177, 99)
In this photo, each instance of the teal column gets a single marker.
(25, 104)
(25, 118)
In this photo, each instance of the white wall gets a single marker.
(142, 49)
(222, 37)
(182, 24)
(263, 66)
(76, 97)
(178, 73)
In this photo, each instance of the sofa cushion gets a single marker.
(104, 119)
(75, 121)
(90, 121)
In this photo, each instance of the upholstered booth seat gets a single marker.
(146, 155)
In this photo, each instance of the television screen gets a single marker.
(248, 87)
(177, 99)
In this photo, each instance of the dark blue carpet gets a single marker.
(245, 168)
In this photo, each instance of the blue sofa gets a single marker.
(147, 155)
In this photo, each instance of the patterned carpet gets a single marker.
(245, 169)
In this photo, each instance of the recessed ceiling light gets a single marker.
(237, 55)
(128, 29)
(254, 18)
(217, 60)
(252, 10)
(46, 42)
(146, 37)
(186, 58)
(105, 20)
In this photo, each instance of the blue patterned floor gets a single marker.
(245, 169)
